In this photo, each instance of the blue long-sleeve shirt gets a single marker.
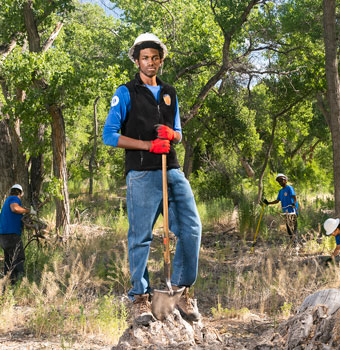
(285, 195)
(120, 106)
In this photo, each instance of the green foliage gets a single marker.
(107, 316)
(221, 312)
(286, 309)
(209, 185)
(54, 188)
(112, 316)
(249, 215)
(89, 60)
(215, 210)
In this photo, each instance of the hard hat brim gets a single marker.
(333, 228)
(146, 38)
(281, 175)
(17, 186)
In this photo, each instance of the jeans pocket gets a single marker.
(135, 174)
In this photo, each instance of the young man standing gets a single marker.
(289, 204)
(10, 233)
(146, 111)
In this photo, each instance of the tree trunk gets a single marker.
(6, 167)
(266, 159)
(188, 158)
(94, 150)
(13, 165)
(37, 170)
(60, 171)
(58, 126)
(333, 90)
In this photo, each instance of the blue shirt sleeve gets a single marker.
(120, 106)
(337, 239)
(177, 124)
(14, 199)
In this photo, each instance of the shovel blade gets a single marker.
(164, 302)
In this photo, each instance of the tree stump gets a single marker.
(172, 333)
(316, 326)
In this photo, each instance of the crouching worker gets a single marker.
(146, 112)
(332, 227)
(289, 204)
(10, 233)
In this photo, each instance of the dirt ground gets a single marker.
(243, 332)
(221, 250)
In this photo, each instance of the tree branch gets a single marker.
(169, 12)
(5, 50)
(194, 67)
(225, 61)
(48, 43)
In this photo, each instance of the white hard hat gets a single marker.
(17, 186)
(330, 225)
(146, 37)
(281, 175)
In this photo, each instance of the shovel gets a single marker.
(164, 301)
(257, 229)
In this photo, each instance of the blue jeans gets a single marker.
(144, 204)
(14, 253)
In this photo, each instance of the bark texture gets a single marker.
(316, 326)
(172, 333)
(94, 149)
(60, 170)
(333, 90)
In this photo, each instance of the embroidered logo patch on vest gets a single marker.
(167, 100)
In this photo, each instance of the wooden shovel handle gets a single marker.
(165, 211)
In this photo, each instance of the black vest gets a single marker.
(140, 123)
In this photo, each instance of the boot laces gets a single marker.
(143, 305)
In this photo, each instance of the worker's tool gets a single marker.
(257, 229)
(164, 301)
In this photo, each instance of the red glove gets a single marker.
(160, 146)
(164, 132)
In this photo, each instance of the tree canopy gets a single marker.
(250, 78)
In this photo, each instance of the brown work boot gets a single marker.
(142, 310)
(186, 306)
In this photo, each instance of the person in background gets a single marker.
(289, 204)
(146, 111)
(332, 228)
(10, 233)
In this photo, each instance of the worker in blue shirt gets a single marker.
(144, 120)
(10, 233)
(332, 228)
(289, 204)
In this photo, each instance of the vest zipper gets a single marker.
(141, 155)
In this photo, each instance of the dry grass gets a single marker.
(274, 280)
(72, 295)
(76, 290)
